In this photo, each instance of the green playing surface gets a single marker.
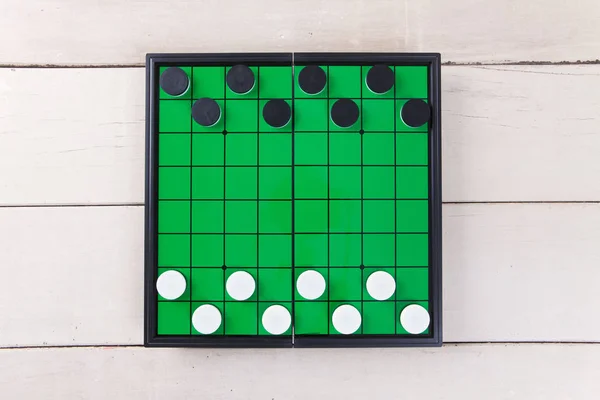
(242, 195)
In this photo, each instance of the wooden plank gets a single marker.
(493, 372)
(512, 272)
(509, 134)
(66, 32)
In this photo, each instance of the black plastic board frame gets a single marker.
(155, 61)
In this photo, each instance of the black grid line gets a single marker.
(396, 316)
(191, 88)
(287, 165)
(362, 205)
(299, 198)
(287, 98)
(416, 132)
(257, 195)
(224, 133)
(328, 83)
(293, 196)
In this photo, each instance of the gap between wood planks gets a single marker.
(142, 204)
(446, 344)
(445, 64)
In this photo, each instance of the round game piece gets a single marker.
(174, 81)
(380, 79)
(415, 113)
(414, 319)
(206, 112)
(312, 79)
(346, 319)
(277, 113)
(310, 285)
(381, 285)
(206, 319)
(171, 284)
(276, 320)
(240, 285)
(344, 113)
(240, 79)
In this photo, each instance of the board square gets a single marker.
(345, 216)
(378, 182)
(411, 149)
(412, 250)
(173, 250)
(275, 183)
(208, 149)
(271, 284)
(412, 182)
(241, 318)
(240, 182)
(345, 182)
(175, 116)
(209, 82)
(275, 216)
(378, 216)
(241, 116)
(312, 318)
(379, 317)
(240, 250)
(241, 149)
(345, 82)
(207, 250)
(310, 148)
(345, 148)
(241, 216)
(173, 216)
(311, 115)
(378, 149)
(345, 250)
(175, 183)
(207, 216)
(311, 250)
(208, 284)
(275, 251)
(275, 149)
(275, 82)
(378, 115)
(208, 182)
(310, 182)
(173, 318)
(310, 216)
(174, 149)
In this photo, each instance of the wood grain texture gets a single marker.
(518, 272)
(526, 133)
(493, 372)
(117, 32)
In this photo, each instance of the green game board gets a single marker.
(293, 208)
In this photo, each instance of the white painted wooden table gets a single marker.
(521, 145)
